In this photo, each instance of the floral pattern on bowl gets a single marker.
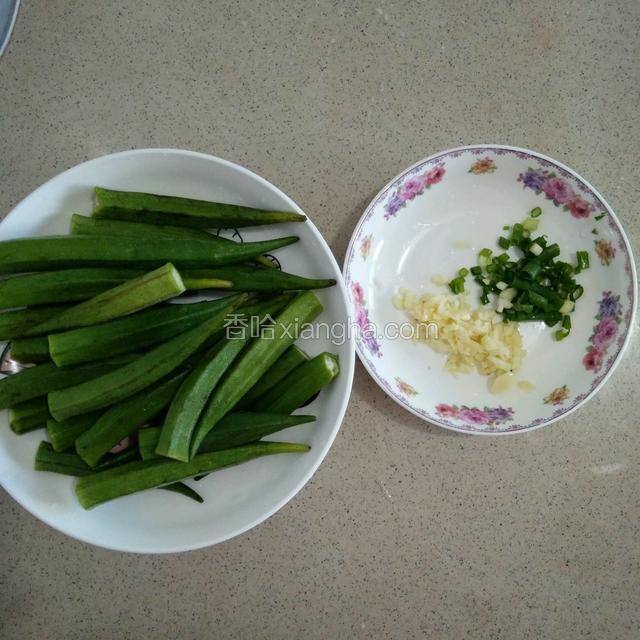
(609, 318)
(365, 329)
(475, 416)
(557, 396)
(558, 190)
(412, 187)
(462, 212)
(486, 165)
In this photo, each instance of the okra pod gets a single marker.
(70, 464)
(137, 331)
(125, 418)
(258, 357)
(300, 385)
(30, 350)
(138, 293)
(148, 207)
(100, 487)
(38, 381)
(233, 430)
(191, 398)
(245, 278)
(288, 361)
(140, 374)
(60, 252)
(69, 285)
(15, 324)
(63, 435)
(29, 415)
(84, 226)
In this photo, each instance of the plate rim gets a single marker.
(488, 146)
(346, 369)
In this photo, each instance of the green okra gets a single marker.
(148, 207)
(63, 435)
(125, 418)
(97, 488)
(29, 415)
(30, 350)
(140, 374)
(136, 331)
(144, 291)
(300, 385)
(288, 361)
(85, 226)
(38, 381)
(233, 430)
(191, 398)
(62, 252)
(261, 354)
(70, 464)
(246, 278)
(68, 285)
(15, 324)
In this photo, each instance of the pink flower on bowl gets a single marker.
(606, 331)
(358, 293)
(475, 416)
(411, 188)
(446, 411)
(558, 190)
(435, 175)
(593, 360)
(580, 208)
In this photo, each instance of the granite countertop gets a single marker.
(406, 530)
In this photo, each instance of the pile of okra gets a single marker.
(138, 390)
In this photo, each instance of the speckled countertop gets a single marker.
(406, 531)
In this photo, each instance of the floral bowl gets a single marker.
(433, 219)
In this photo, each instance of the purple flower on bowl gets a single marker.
(532, 179)
(558, 190)
(609, 306)
(475, 416)
(606, 331)
(499, 414)
(394, 205)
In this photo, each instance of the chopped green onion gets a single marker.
(457, 285)
(464, 272)
(602, 215)
(531, 224)
(503, 242)
(506, 227)
(583, 260)
(594, 231)
(576, 293)
(486, 252)
(536, 212)
(476, 271)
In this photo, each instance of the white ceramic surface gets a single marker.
(433, 219)
(236, 499)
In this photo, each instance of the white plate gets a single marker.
(236, 499)
(415, 228)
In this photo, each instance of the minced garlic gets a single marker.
(473, 339)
